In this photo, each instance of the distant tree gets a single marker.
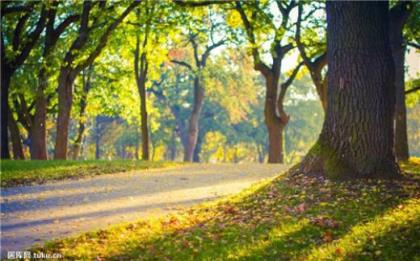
(256, 17)
(77, 58)
(54, 29)
(198, 37)
(22, 24)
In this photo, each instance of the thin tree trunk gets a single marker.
(65, 101)
(275, 124)
(357, 136)
(17, 147)
(194, 118)
(39, 130)
(172, 148)
(97, 139)
(398, 16)
(140, 70)
(144, 122)
(197, 150)
(136, 154)
(6, 74)
(401, 139)
(82, 115)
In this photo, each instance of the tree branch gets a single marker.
(187, 3)
(183, 64)
(258, 64)
(32, 39)
(63, 25)
(299, 44)
(209, 49)
(285, 85)
(104, 37)
(292, 77)
(412, 90)
(5, 10)
(414, 45)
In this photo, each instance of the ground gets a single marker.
(32, 214)
(285, 218)
(289, 218)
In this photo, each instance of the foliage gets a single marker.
(273, 220)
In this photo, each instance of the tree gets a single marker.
(151, 27)
(275, 117)
(21, 36)
(86, 86)
(76, 59)
(195, 38)
(52, 35)
(357, 136)
(398, 16)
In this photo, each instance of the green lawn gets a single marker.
(20, 172)
(289, 218)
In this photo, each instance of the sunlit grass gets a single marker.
(19, 172)
(296, 218)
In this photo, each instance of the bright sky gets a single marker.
(413, 62)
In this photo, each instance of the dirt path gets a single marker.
(33, 214)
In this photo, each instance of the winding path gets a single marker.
(33, 214)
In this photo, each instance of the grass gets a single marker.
(288, 218)
(19, 172)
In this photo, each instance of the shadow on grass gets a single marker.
(287, 219)
(249, 233)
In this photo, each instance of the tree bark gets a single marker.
(65, 102)
(197, 150)
(140, 69)
(398, 16)
(194, 118)
(6, 75)
(357, 136)
(39, 130)
(275, 120)
(15, 137)
(172, 147)
(401, 139)
(144, 125)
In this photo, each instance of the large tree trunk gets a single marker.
(6, 75)
(15, 137)
(65, 101)
(195, 116)
(39, 130)
(357, 136)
